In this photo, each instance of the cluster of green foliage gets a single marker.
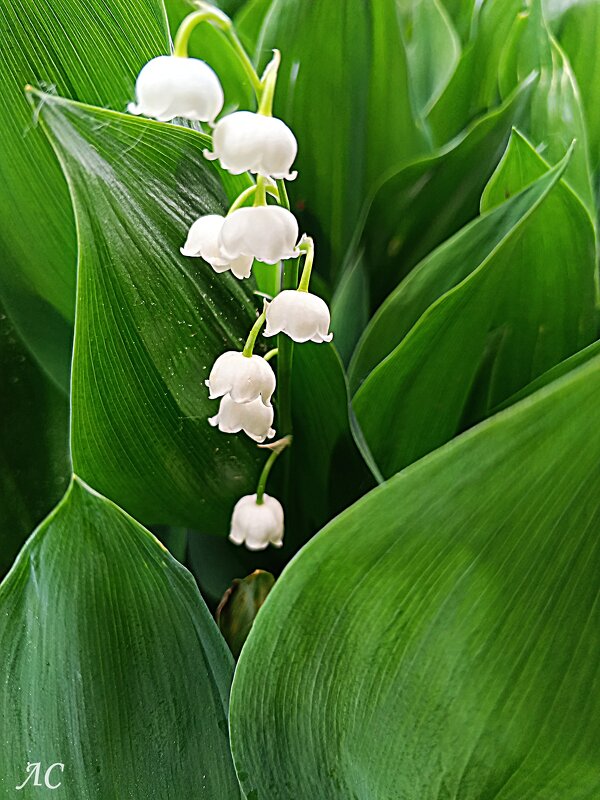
(436, 634)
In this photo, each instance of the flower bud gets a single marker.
(257, 525)
(203, 242)
(244, 378)
(249, 142)
(302, 316)
(254, 418)
(169, 86)
(267, 233)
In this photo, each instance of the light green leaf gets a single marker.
(432, 49)
(579, 35)
(420, 205)
(528, 305)
(436, 639)
(140, 409)
(116, 668)
(92, 52)
(554, 117)
(473, 89)
(344, 89)
(34, 462)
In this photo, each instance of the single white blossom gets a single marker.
(254, 418)
(267, 233)
(257, 525)
(249, 142)
(244, 378)
(203, 242)
(303, 316)
(170, 86)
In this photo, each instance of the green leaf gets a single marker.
(529, 304)
(473, 89)
(34, 461)
(453, 261)
(343, 88)
(579, 34)
(554, 117)
(92, 52)
(436, 639)
(116, 668)
(432, 49)
(140, 410)
(420, 205)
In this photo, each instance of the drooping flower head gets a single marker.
(254, 418)
(169, 86)
(301, 315)
(267, 233)
(203, 242)
(244, 378)
(257, 525)
(249, 142)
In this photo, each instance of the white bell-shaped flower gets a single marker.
(244, 378)
(249, 142)
(303, 316)
(257, 525)
(254, 418)
(203, 242)
(170, 86)
(267, 233)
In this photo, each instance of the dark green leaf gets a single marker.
(90, 52)
(437, 639)
(150, 322)
(116, 669)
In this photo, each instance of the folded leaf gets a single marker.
(436, 639)
(419, 206)
(90, 52)
(117, 670)
(150, 323)
(554, 117)
(528, 305)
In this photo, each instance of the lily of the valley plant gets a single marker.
(299, 372)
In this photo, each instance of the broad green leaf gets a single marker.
(116, 669)
(212, 46)
(461, 13)
(528, 305)
(473, 89)
(150, 322)
(249, 21)
(344, 89)
(579, 35)
(554, 117)
(432, 49)
(420, 205)
(34, 462)
(437, 639)
(450, 263)
(90, 52)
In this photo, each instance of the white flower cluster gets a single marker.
(260, 144)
